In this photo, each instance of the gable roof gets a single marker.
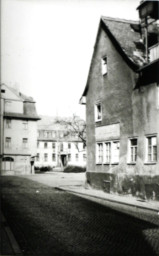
(124, 34)
(21, 96)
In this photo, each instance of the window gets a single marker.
(45, 157)
(84, 157)
(45, 144)
(132, 150)
(84, 146)
(54, 157)
(69, 145)
(25, 142)
(8, 142)
(69, 157)
(38, 157)
(61, 146)
(98, 112)
(53, 146)
(8, 123)
(115, 151)
(151, 149)
(38, 144)
(77, 157)
(25, 125)
(104, 65)
(107, 152)
(99, 153)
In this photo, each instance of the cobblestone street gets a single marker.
(46, 221)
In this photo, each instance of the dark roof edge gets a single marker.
(21, 116)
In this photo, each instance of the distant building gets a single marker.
(122, 105)
(56, 147)
(18, 132)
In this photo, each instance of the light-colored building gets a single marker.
(56, 147)
(18, 132)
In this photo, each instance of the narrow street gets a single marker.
(46, 221)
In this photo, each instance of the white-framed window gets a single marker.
(45, 157)
(84, 157)
(99, 153)
(107, 152)
(45, 144)
(25, 143)
(8, 142)
(69, 157)
(38, 157)
(69, 145)
(132, 150)
(61, 146)
(54, 146)
(54, 157)
(98, 112)
(104, 65)
(38, 144)
(151, 149)
(25, 125)
(115, 152)
(77, 157)
(8, 123)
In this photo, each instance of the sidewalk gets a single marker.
(118, 199)
(8, 243)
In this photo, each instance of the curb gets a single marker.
(14, 245)
(109, 200)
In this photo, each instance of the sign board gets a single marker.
(107, 132)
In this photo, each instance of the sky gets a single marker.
(47, 45)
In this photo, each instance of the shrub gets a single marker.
(74, 169)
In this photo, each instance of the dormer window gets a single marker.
(104, 65)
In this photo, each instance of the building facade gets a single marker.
(122, 105)
(56, 147)
(18, 132)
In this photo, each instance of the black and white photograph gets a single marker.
(79, 128)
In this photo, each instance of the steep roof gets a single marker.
(125, 35)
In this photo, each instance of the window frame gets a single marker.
(132, 151)
(8, 141)
(25, 143)
(102, 155)
(98, 113)
(8, 124)
(53, 157)
(104, 65)
(45, 157)
(151, 146)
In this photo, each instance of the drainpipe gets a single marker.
(1, 127)
(146, 41)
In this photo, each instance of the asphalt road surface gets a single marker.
(46, 221)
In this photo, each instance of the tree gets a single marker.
(74, 126)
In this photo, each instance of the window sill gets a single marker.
(106, 163)
(131, 163)
(97, 121)
(150, 163)
(98, 163)
(114, 163)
